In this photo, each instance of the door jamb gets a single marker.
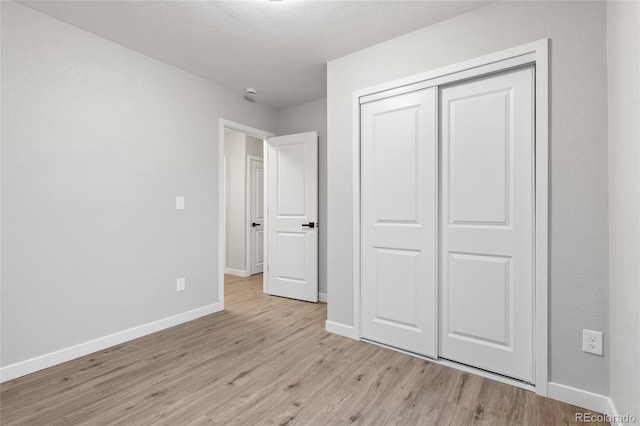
(222, 241)
(536, 52)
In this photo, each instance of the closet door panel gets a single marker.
(486, 223)
(398, 293)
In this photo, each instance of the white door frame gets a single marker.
(222, 238)
(248, 204)
(532, 53)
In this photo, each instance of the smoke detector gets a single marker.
(250, 94)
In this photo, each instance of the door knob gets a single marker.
(309, 225)
(255, 224)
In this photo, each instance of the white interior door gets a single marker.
(292, 214)
(399, 182)
(256, 215)
(486, 225)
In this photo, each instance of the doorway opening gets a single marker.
(241, 195)
(275, 231)
(244, 203)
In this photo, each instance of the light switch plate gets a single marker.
(179, 203)
(181, 284)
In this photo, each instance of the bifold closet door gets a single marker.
(486, 223)
(398, 291)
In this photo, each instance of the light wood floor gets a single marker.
(265, 360)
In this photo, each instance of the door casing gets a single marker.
(536, 53)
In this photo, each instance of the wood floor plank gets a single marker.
(264, 361)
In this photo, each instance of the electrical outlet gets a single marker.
(592, 342)
(181, 284)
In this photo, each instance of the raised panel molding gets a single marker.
(291, 246)
(396, 286)
(395, 151)
(259, 200)
(480, 135)
(259, 252)
(292, 202)
(478, 283)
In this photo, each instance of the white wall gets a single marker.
(235, 155)
(623, 56)
(579, 222)
(302, 118)
(97, 141)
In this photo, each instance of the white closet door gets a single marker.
(398, 293)
(487, 193)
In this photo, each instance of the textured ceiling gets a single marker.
(278, 47)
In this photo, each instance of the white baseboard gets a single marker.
(613, 413)
(237, 272)
(585, 399)
(41, 362)
(341, 329)
(581, 398)
(322, 297)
